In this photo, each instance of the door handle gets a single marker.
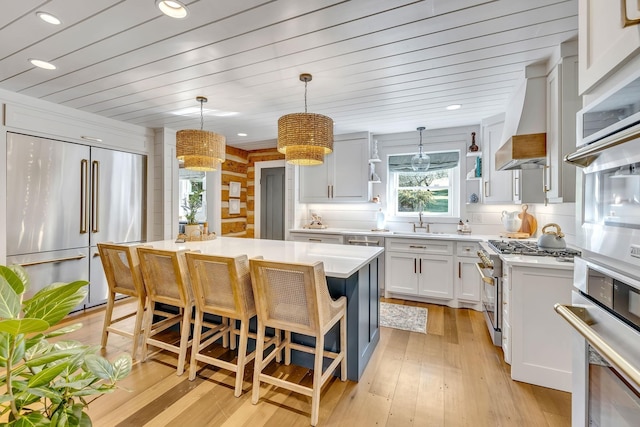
(95, 196)
(486, 193)
(84, 196)
(420, 265)
(415, 268)
(459, 270)
(574, 316)
(50, 261)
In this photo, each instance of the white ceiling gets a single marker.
(382, 66)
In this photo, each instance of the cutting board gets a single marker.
(529, 224)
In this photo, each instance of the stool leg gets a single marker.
(138, 326)
(257, 368)
(343, 347)
(184, 338)
(317, 379)
(195, 346)
(242, 355)
(107, 318)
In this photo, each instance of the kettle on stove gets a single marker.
(552, 240)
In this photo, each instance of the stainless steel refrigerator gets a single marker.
(62, 199)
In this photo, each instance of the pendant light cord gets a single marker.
(201, 115)
(305, 96)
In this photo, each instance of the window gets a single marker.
(191, 182)
(434, 192)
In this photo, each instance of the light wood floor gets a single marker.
(451, 376)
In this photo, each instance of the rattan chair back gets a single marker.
(221, 285)
(165, 276)
(122, 269)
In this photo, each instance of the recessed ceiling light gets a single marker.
(42, 64)
(453, 106)
(172, 8)
(242, 134)
(47, 17)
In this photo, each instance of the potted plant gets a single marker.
(191, 206)
(45, 383)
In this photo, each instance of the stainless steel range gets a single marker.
(491, 271)
(517, 247)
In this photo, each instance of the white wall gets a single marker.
(362, 216)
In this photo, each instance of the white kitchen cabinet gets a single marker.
(421, 268)
(535, 339)
(528, 185)
(604, 42)
(496, 185)
(50, 124)
(343, 177)
(506, 313)
(563, 102)
(467, 282)
(297, 236)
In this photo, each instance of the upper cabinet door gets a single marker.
(350, 171)
(343, 177)
(604, 42)
(496, 185)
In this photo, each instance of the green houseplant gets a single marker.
(45, 383)
(192, 205)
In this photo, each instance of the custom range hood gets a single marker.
(524, 136)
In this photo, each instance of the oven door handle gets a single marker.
(486, 279)
(587, 155)
(574, 316)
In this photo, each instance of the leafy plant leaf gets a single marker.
(62, 331)
(23, 326)
(32, 419)
(5, 344)
(99, 366)
(9, 300)
(46, 375)
(55, 301)
(121, 367)
(50, 357)
(15, 277)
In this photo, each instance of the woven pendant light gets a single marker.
(305, 138)
(200, 150)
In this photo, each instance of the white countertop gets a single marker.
(403, 234)
(340, 261)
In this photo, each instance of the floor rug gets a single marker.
(403, 317)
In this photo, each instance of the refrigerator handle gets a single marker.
(84, 196)
(95, 196)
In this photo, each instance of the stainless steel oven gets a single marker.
(606, 359)
(606, 299)
(490, 270)
(367, 240)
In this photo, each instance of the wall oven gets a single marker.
(606, 361)
(605, 309)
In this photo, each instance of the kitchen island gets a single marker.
(352, 271)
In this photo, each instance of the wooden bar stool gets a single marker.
(222, 287)
(167, 282)
(122, 270)
(295, 298)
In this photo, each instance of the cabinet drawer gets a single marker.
(419, 246)
(469, 249)
(317, 238)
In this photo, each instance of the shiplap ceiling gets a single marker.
(382, 66)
